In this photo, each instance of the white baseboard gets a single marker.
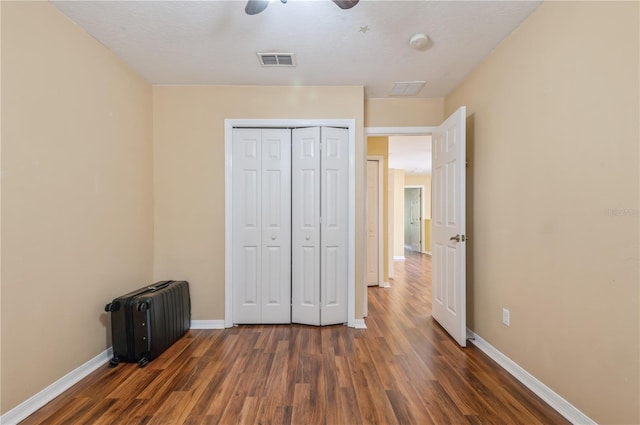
(427, 252)
(27, 407)
(385, 285)
(398, 258)
(359, 324)
(562, 406)
(207, 324)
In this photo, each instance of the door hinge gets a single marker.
(466, 164)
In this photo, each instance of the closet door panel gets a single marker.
(305, 238)
(247, 224)
(276, 226)
(334, 212)
(332, 280)
(308, 282)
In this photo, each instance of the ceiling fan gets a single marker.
(256, 6)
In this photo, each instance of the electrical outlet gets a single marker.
(505, 317)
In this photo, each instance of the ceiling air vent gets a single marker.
(277, 59)
(407, 88)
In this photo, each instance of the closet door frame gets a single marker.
(229, 124)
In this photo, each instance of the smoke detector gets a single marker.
(419, 41)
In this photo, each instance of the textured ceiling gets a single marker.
(215, 42)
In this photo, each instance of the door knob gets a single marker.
(273, 237)
(455, 238)
(308, 237)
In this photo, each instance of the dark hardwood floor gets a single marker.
(403, 369)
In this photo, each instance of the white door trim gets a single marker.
(381, 282)
(229, 124)
(380, 160)
(398, 131)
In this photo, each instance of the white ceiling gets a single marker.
(215, 42)
(410, 153)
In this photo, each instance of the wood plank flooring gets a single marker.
(403, 369)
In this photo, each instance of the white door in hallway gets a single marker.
(448, 226)
(413, 218)
(262, 225)
(373, 224)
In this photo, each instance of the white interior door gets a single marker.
(373, 212)
(448, 226)
(413, 218)
(305, 226)
(334, 225)
(262, 241)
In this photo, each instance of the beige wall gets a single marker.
(76, 194)
(394, 112)
(398, 215)
(189, 175)
(379, 145)
(0, 211)
(553, 120)
(553, 142)
(425, 181)
(426, 227)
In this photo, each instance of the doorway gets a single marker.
(449, 218)
(395, 182)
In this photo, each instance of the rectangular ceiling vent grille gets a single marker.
(277, 59)
(407, 88)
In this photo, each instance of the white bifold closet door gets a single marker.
(290, 230)
(319, 170)
(261, 225)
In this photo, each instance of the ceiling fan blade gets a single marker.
(256, 6)
(346, 4)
